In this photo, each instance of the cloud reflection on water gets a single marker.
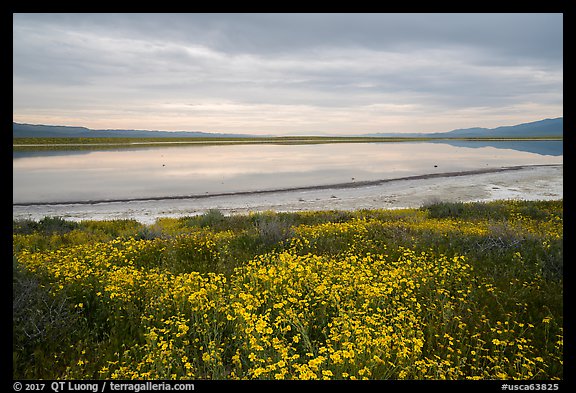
(197, 170)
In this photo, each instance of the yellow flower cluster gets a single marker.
(312, 310)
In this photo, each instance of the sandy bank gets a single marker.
(525, 182)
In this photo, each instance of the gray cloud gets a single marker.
(227, 72)
(537, 36)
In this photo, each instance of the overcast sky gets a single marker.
(287, 74)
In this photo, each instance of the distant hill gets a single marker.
(42, 131)
(541, 128)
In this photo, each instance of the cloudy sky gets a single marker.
(287, 74)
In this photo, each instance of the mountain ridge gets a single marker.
(541, 128)
(23, 130)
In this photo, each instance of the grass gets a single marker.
(64, 143)
(447, 291)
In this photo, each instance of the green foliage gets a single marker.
(497, 210)
(47, 225)
(212, 218)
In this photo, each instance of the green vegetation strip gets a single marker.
(23, 144)
(447, 291)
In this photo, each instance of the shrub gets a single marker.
(213, 218)
(273, 229)
(41, 324)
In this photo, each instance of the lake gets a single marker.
(199, 170)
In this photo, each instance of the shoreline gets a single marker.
(336, 186)
(528, 182)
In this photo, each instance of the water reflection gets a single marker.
(547, 148)
(208, 169)
(544, 147)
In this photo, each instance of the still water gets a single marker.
(100, 175)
